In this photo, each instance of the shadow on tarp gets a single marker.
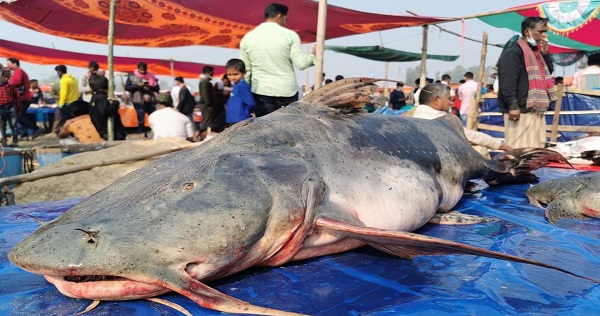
(368, 282)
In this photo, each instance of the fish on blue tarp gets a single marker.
(301, 182)
(575, 197)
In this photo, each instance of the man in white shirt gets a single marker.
(176, 89)
(466, 95)
(589, 78)
(167, 122)
(270, 52)
(435, 102)
(447, 80)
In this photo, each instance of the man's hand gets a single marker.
(543, 45)
(514, 115)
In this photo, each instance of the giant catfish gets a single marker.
(301, 182)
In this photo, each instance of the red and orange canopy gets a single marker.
(171, 23)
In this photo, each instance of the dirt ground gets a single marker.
(85, 183)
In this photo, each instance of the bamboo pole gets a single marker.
(423, 58)
(306, 76)
(320, 44)
(473, 115)
(557, 107)
(71, 169)
(456, 34)
(111, 67)
(172, 65)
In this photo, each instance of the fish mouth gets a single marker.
(104, 287)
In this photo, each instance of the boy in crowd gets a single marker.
(241, 102)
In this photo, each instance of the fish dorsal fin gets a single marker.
(349, 94)
(409, 245)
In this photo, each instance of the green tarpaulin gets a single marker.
(385, 54)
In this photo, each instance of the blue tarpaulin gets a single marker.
(571, 102)
(368, 282)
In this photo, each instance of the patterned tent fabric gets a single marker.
(172, 23)
(573, 25)
(49, 56)
(385, 54)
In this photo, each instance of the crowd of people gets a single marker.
(263, 80)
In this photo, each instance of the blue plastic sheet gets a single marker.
(571, 102)
(368, 282)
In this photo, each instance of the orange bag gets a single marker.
(128, 116)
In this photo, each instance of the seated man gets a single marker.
(80, 128)
(167, 122)
(435, 102)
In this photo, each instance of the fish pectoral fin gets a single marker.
(210, 298)
(458, 218)
(563, 209)
(409, 245)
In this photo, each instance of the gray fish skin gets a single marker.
(252, 197)
(576, 197)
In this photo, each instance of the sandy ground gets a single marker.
(85, 183)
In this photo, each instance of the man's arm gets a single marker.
(298, 58)
(549, 63)
(129, 86)
(247, 98)
(509, 68)
(62, 98)
(16, 79)
(84, 86)
(245, 57)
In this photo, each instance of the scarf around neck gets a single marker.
(541, 86)
(147, 76)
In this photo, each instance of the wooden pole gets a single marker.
(111, 67)
(473, 115)
(172, 64)
(76, 168)
(423, 58)
(557, 107)
(320, 44)
(306, 75)
(457, 34)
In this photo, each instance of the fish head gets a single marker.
(153, 230)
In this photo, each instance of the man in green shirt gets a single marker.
(270, 52)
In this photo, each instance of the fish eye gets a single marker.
(188, 186)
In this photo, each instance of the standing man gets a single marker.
(186, 100)
(20, 80)
(466, 94)
(84, 81)
(270, 52)
(447, 80)
(589, 78)
(526, 86)
(142, 85)
(397, 97)
(208, 100)
(69, 93)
